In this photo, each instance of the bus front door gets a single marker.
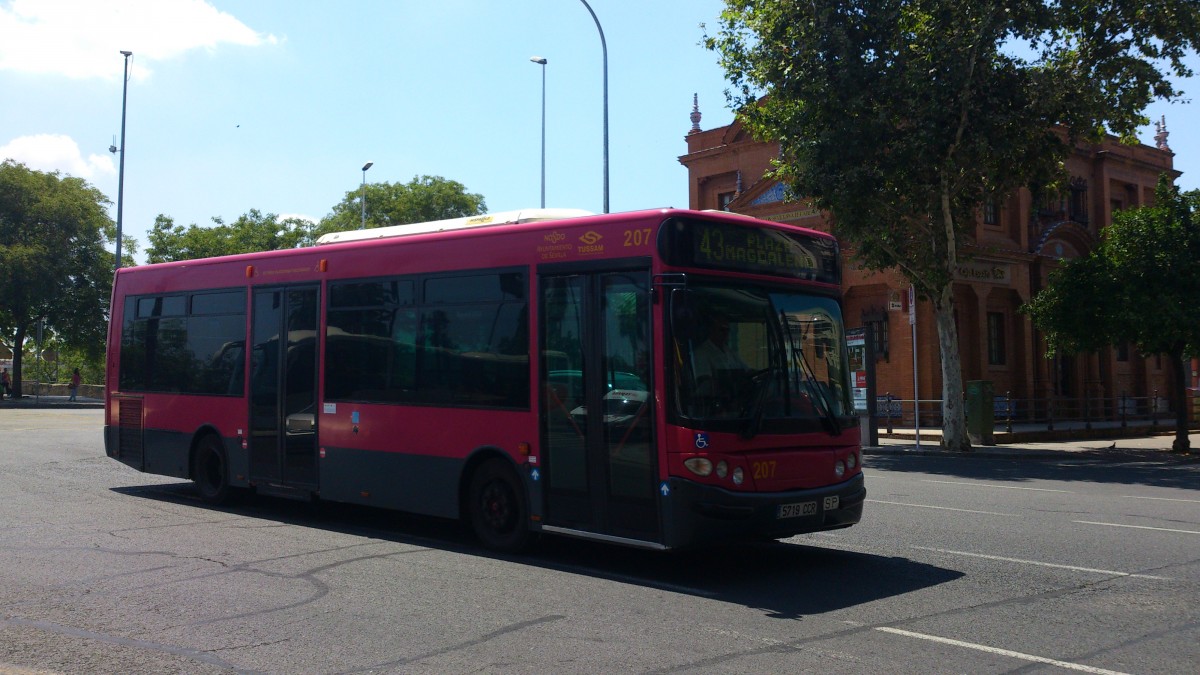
(283, 388)
(598, 448)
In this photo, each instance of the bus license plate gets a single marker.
(831, 503)
(797, 510)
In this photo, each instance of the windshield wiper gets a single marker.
(761, 380)
(816, 393)
(755, 411)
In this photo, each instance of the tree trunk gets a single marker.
(14, 376)
(954, 421)
(1179, 400)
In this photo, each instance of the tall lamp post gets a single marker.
(604, 51)
(363, 198)
(541, 61)
(113, 148)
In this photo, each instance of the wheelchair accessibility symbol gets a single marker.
(701, 441)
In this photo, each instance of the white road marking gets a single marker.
(1042, 564)
(1002, 652)
(991, 485)
(1162, 499)
(942, 508)
(1135, 527)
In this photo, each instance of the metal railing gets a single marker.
(1045, 413)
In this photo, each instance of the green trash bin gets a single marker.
(980, 412)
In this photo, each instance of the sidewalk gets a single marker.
(51, 402)
(1035, 443)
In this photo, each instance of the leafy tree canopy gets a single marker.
(250, 233)
(1138, 286)
(54, 266)
(902, 117)
(420, 200)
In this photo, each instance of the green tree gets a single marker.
(420, 200)
(902, 117)
(1139, 286)
(250, 233)
(54, 267)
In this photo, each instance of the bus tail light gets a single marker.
(737, 475)
(851, 460)
(839, 469)
(700, 466)
(722, 469)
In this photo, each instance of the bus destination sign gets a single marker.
(757, 250)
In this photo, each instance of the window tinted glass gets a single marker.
(172, 305)
(163, 350)
(371, 294)
(371, 355)
(228, 302)
(467, 344)
(475, 288)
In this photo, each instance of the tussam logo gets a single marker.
(590, 238)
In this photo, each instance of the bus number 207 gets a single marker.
(637, 237)
(763, 470)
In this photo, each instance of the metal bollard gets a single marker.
(1008, 411)
(1123, 411)
(1154, 409)
(888, 413)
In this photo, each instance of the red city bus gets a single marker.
(657, 379)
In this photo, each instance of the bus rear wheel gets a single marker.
(497, 509)
(210, 470)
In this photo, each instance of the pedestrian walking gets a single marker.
(74, 386)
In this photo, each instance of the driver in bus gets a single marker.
(714, 360)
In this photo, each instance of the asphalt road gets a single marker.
(1079, 562)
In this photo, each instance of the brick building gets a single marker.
(1017, 244)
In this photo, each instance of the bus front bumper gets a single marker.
(699, 514)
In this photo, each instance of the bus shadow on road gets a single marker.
(787, 580)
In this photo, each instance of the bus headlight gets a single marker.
(851, 461)
(839, 469)
(722, 469)
(737, 475)
(700, 466)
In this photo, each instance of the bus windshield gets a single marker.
(756, 360)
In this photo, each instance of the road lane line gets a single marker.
(1002, 652)
(1002, 487)
(942, 508)
(1135, 527)
(1162, 499)
(1042, 564)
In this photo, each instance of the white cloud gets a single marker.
(301, 216)
(83, 38)
(55, 152)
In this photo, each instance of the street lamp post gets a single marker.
(121, 171)
(604, 52)
(363, 198)
(542, 62)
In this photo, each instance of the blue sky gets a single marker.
(277, 104)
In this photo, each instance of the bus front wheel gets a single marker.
(210, 470)
(497, 507)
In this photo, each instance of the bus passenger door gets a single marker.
(598, 450)
(283, 387)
